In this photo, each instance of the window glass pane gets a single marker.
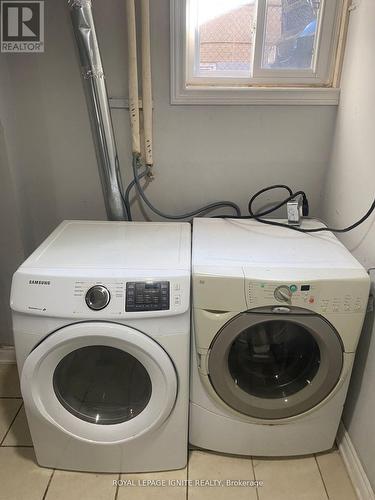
(290, 34)
(102, 385)
(224, 38)
(274, 359)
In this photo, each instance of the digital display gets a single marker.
(152, 286)
(305, 288)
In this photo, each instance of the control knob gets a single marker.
(283, 294)
(97, 297)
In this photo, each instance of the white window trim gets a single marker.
(182, 93)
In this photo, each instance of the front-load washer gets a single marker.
(101, 327)
(277, 315)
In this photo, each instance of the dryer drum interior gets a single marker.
(271, 366)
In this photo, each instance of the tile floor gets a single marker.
(319, 477)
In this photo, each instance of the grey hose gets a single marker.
(126, 196)
(188, 215)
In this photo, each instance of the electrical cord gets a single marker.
(256, 216)
(305, 204)
(188, 215)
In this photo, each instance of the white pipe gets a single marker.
(146, 81)
(133, 77)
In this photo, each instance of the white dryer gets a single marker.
(101, 327)
(277, 316)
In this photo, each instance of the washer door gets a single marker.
(101, 382)
(273, 365)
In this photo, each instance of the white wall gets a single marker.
(350, 189)
(202, 153)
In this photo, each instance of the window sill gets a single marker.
(289, 96)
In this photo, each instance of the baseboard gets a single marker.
(353, 465)
(7, 355)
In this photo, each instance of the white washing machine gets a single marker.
(277, 315)
(101, 327)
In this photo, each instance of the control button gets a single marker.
(293, 288)
(176, 287)
(311, 300)
(177, 300)
(283, 293)
(97, 297)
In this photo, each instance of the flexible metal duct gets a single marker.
(98, 107)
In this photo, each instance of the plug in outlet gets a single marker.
(294, 211)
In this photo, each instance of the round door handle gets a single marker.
(97, 297)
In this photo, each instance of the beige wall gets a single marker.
(350, 190)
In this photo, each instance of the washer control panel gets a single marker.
(323, 297)
(147, 296)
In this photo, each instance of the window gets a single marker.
(261, 51)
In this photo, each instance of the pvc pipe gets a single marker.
(146, 81)
(133, 76)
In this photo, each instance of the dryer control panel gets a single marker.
(138, 296)
(147, 296)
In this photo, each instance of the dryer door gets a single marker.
(274, 363)
(99, 381)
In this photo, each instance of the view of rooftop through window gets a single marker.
(226, 35)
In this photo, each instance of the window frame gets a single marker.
(267, 86)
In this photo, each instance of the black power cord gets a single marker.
(305, 203)
(257, 216)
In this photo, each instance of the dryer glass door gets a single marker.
(100, 381)
(270, 365)
(102, 384)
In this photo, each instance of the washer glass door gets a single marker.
(100, 381)
(274, 359)
(275, 365)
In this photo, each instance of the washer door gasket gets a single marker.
(272, 365)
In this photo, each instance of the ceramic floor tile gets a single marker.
(8, 410)
(139, 486)
(19, 434)
(222, 468)
(81, 486)
(335, 476)
(20, 476)
(9, 383)
(289, 479)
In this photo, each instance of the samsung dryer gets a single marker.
(277, 315)
(101, 327)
